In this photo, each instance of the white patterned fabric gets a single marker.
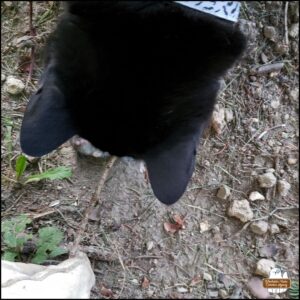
(228, 10)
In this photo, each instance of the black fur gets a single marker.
(135, 78)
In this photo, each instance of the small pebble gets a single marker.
(292, 160)
(256, 196)
(270, 32)
(207, 276)
(223, 192)
(294, 95)
(275, 104)
(283, 187)
(204, 226)
(182, 290)
(294, 30)
(274, 228)
(228, 115)
(14, 86)
(264, 266)
(3, 77)
(150, 245)
(259, 227)
(223, 293)
(267, 180)
(240, 209)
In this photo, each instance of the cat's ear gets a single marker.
(171, 168)
(47, 123)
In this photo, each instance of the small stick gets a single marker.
(285, 23)
(94, 200)
(269, 68)
(275, 127)
(32, 33)
(206, 210)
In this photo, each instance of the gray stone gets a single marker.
(267, 180)
(240, 209)
(259, 227)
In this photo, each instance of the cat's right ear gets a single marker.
(47, 122)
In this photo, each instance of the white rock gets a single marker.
(267, 180)
(274, 228)
(223, 293)
(14, 86)
(294, 30)
(223, 192)
(275, 104)
(256, 196)
(228, 115)
(3, 77)
(204, 226)
(182, 290)
(292, 160)
(241, 210)
(270, 170)
(72, 278)
(207, 276)
(218, 119)
(294, 95)
(283, 187)
(264, 266)
(259, 227)
(150, 245)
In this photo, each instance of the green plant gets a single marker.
(52, 174)
(15, 239)
(294, 290)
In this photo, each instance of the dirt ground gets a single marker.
(213, 255)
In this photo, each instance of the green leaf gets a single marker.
(10, 239)
(57, 251)
(39, 258)
(22, 239)
(50, 236)
(9, 255)
(21, 222)
(52, 174)
(20, 166)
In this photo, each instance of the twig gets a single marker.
(286, 23)
(206, 210)
(93, 202)
(266, 131)
(229, 174)
(268, 68)
(32, 33)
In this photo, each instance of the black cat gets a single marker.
(135, 78)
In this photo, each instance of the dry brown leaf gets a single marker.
(196, 280)
(106, 292)
(178, 220)
(145, 282)
(171, 228)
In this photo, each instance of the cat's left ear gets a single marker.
(47, 122)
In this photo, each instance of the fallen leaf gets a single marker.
(145, 282)
(106, 292)
(196, 280)
(179, 221)
(170, 227)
